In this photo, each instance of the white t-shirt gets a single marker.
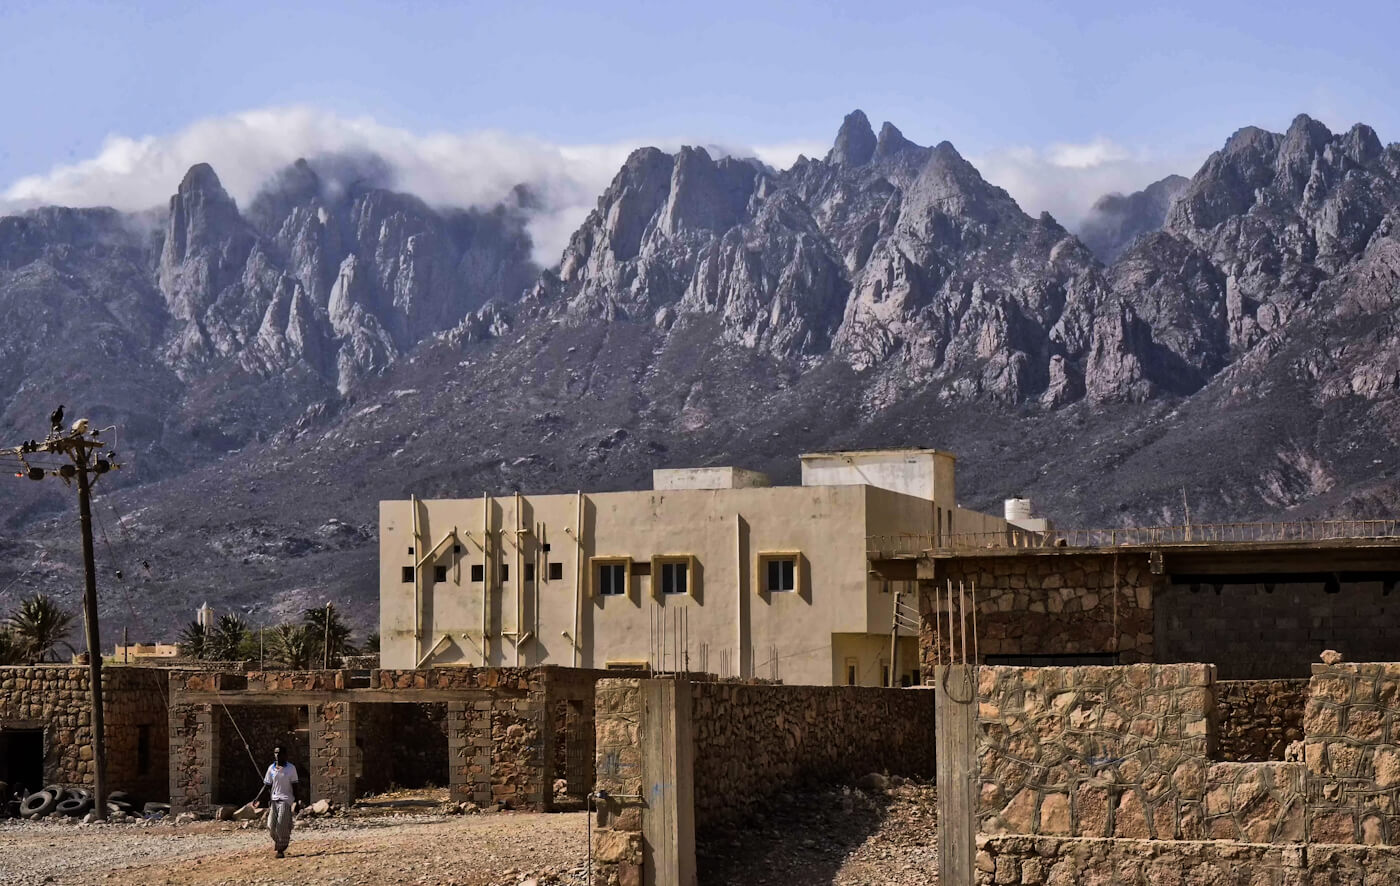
(281, 778)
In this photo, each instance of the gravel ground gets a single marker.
(882, 834)
(469, 850)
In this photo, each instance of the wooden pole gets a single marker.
(326, 644)
(99, 735)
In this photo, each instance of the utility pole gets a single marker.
(326, 644)
(72, 453)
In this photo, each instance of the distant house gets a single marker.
(710, 570)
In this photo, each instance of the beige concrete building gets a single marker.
(711, 570)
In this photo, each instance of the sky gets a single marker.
(109, 102)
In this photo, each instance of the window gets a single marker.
(529, 571)
(546, 547)
(408, 574)
(612, 579)
(852, 672)
(456, 549)
(505, 572)
(410, 552)
(884, 674)
(778, 572)
(478, 572)
(556, 571)
(439, 573)
(675, 577)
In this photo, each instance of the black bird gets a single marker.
(56, 419)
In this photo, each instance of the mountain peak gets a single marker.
(201, 178)
(891, 142)
(855, 141)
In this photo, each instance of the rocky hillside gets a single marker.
(278, 370)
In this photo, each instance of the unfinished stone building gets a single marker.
(492, 735)
(46, 728)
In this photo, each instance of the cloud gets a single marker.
(247, 148)
(1066, 179)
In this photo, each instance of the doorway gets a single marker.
(22, 758)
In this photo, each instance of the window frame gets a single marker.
(408, 575)
(595, 565)
(555, 571)
(658, 571)
(477, 573)
(439, 569)
(761, 579)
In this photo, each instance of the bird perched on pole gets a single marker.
(56, 419)
(80, 426)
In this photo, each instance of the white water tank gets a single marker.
(1017, 510)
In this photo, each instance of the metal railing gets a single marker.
(914, 544)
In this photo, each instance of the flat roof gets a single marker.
(849, 453)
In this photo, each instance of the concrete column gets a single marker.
(668, 784)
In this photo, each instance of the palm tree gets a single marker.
(225, 643)
(372, 643)
(294, 645)
(193, 642)
(40, 625)
(315, 622)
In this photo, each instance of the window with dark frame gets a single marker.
(529, 571)
(675, 577)
(439, 574)
(478, 572)
(781, 574)
(556, 571)
(408, 574)
(850, 675)
(612, 579)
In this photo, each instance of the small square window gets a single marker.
(410, 552)
(478, 572)
(529, 571)
(556, 571)
(612, 579)
(456, 549)
(675, 577)
(546, 547)
(780, 574)
(408, 574)
(439, 573)
(505, 572)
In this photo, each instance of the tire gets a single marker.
(74, 806)
(80, 793)
(56, 789)
(118, 797)
(38, 804)
(156, 809)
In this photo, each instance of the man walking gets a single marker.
(282, 778)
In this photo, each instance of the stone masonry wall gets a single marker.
(1352, 749)
(1053, 604)
(1060, 861)
(617, 839)
(753, 741)
(239, 775)
(55, 699)
(1095, 752)
(1259, 718)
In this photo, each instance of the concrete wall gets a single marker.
(1259, 719)
(727, 623)
(1263, 631)
(921, 473)
(55, 699)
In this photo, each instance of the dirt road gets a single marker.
(471, 850)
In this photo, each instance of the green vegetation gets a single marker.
(35, 631)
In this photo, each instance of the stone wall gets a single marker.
(55, 699)
(407, 744)
(1271, 630)
(1060, 861)
(1352, 749)
(1095, 752)
(753, 741)
(1049, 604)
(1259, 719)
(617, 839)
(1256, 802)
(247, 735)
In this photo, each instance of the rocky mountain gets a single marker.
(279, 369)
(1116, 220)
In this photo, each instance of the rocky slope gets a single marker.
(351, 344)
